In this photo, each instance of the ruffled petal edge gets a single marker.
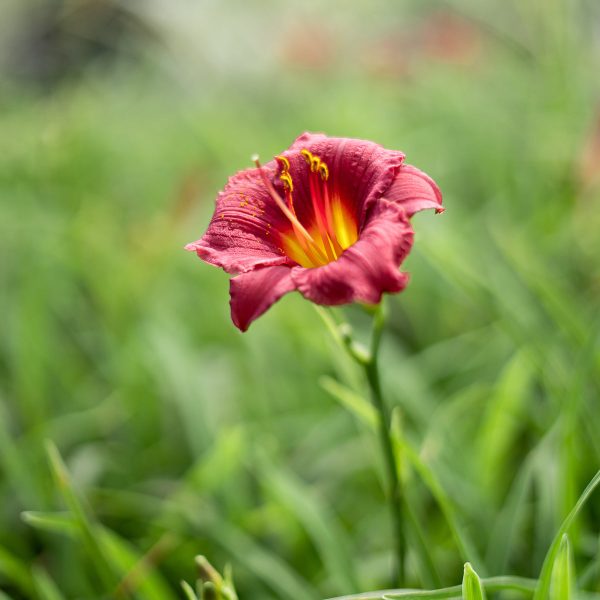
(414, 190)
(369, 268)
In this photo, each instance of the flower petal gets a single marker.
(244, 231)
(368, 268)
(414, 191)
(360, 172)
(254, 292)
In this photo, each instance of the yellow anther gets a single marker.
(307, 156)
(286, 179)
(283, 162)
(323, 171)
(285, 176)
(315, 163)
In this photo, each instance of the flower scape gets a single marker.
(329, 217)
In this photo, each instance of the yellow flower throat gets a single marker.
(333, 228)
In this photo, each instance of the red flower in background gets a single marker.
(329, 217)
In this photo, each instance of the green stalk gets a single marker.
(368, 360)
(371, 367)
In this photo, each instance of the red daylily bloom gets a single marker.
(329, 217)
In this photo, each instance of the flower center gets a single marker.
(332, 227)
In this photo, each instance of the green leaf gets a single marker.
(471, 585)
(13, 461)
(54, 522)
(228, 588)
(563, 575)
(189, 591)
(123, 557)
(329, 539)
(15, 571)
(209, 591)
(491, 585)
(141, 574)
(264, 563)
(503, 421)
(82, 519)
(352, 401)
(45, 586)
(544, 582)
(118, 564)
(462, 540)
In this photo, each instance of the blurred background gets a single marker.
(119, 122)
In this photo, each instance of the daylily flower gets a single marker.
(329, 217)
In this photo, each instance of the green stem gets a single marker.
(368, 360)
(371, 367)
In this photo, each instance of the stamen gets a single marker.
(322, 204)
(278, 200)
(338, 249)
(332, 230)
(286, 179)
(284, 163)
(320, 216)
(307, 156)
(307, 243)
(313, 162)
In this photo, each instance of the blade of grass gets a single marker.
(54, 522)
(563, 575)
(515, 509)
(464, 544)
(82, 520)
(543, 587)
(263, 563)
(491, 585)
(13, 462)
(188, 591)
(15, 571)
(429, 573)
(140, 573)
(503, 419)
(352, 401)
(471, 585)
(315, 517)
(45, 586)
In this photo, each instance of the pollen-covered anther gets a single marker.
(307, 156)
(316, 164)
(285, 176)
(284, 163)
(286, 179)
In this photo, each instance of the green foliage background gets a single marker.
(183, 436)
